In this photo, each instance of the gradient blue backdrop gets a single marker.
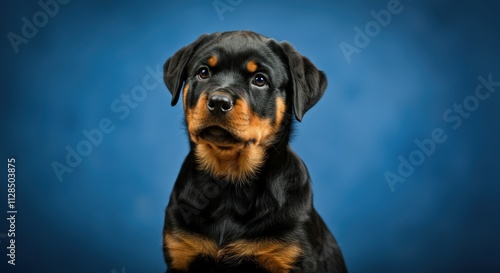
(107, 214)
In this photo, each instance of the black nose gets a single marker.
(219, 104)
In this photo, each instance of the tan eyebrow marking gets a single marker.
(212, 61)
(251, 66)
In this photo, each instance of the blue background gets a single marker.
(107, 214)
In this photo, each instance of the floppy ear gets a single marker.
(308, 83)
(174, 69)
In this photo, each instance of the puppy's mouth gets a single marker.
(219, 136)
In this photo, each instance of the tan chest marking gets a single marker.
(272, 255)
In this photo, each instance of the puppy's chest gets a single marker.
(228, 234)
(233, 213)
(242, 209)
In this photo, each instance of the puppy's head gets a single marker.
(240, 90)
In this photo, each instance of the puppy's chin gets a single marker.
(219, 136)
(225, 155)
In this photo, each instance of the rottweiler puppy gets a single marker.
(242, 201)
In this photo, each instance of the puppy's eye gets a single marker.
(259, 80)
(203, 73)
